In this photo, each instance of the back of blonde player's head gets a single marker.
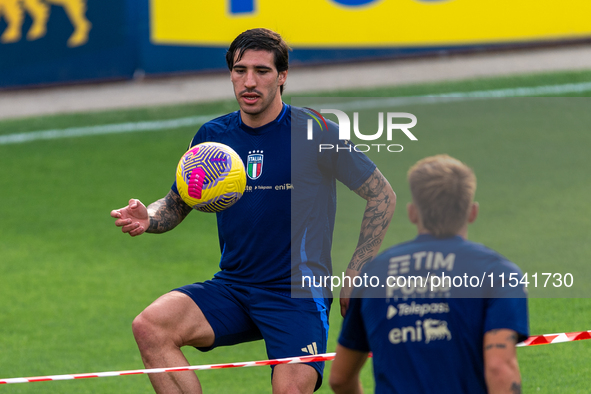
(443, 190)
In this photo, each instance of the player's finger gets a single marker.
(130, 227)
(133, 203)
(138, 231)
(122, 222)
(115, 213)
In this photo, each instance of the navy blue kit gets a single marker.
(429, 338)
(278, 231)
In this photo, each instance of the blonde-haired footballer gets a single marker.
(438, 337)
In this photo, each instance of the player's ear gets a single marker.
(413, 213)
(473, 212)
(282, 77)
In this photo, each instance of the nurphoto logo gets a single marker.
(344, 122)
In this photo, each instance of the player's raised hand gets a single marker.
(133, 219)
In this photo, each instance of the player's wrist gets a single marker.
(151, 225)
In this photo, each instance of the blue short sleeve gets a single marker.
(507, 305)
(353, 334)
(347, 164)
(509, 313)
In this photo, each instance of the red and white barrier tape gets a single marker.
(290, 360)
(556, 338)
(531, 341)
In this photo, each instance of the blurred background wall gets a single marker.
(44, 42)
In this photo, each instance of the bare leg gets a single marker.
(294, 379)
(14, 16)
(160, 331)
(39, 11)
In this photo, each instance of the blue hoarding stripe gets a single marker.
(241, 6)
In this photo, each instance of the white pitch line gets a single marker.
(105, 129)
(158, 125)
(535, 91)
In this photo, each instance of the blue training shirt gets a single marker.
(288, 178)
(430, 339)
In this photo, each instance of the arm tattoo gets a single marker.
(516, 388)
(511, 339)
(167, 213)
(381, 201)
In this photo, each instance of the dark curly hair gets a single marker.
(260, 39)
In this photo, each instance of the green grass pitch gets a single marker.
(71, 283)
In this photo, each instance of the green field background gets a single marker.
(71, 283)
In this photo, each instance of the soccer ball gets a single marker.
(210, 177)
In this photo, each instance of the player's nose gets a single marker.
(250, 80)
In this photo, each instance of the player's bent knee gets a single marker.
(294, 379)
(173, 319)
(145, 332)
(149, 330)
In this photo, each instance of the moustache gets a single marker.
(250, 91)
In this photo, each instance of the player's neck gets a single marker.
(265, 117)
(462, 233)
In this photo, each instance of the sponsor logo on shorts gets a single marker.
(310, 349)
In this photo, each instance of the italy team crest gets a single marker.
(254, 164)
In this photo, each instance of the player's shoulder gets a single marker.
(214, 129)
(495, 260)
(301, 115)
(221, 122)
(298, 112)
(481, 249)
(406, 247)
(470, 251)
(302, 112)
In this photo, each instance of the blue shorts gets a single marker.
(291, 327)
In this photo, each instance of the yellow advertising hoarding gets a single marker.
(370, 23)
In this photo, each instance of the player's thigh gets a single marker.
(294, 327)
(175, 316)
(291, 326)
(226, 310)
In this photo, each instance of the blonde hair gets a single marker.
(442, 189)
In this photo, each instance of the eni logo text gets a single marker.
(13, 12)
